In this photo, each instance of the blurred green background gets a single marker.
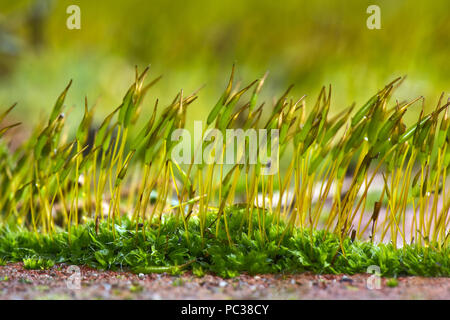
(191, 43)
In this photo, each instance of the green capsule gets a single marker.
(255, 94)
(141, 138)
(222, 100)
(101, 133)
(422, 133)
(412, 131)
(390, 162)
(85, 124)
(329, 134)
(130, 113)
(284, 128)
(337, 153)
(41, 141)
(304, 131)
(253, 118)
(380, 148)
(21, 191)
(123, 170)
(375, 122)
(235, 116)
(69, 164)
(126, 104)
(401, 152)
(386, 130)
(59, 104)
(225, 117)
(409, 133)
(443, 129)
(151, 151)
(61, 156)
(280, 103)
(4, 114)
(215, 111)
(362, 171)
(323, 121)
(107, 138)
(311, 137)
(357, 136)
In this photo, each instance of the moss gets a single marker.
(168, 247)
(392, 283)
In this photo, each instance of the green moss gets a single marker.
(37, 263)
(167, 248)
(392, 283)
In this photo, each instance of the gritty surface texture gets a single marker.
(59, 283)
